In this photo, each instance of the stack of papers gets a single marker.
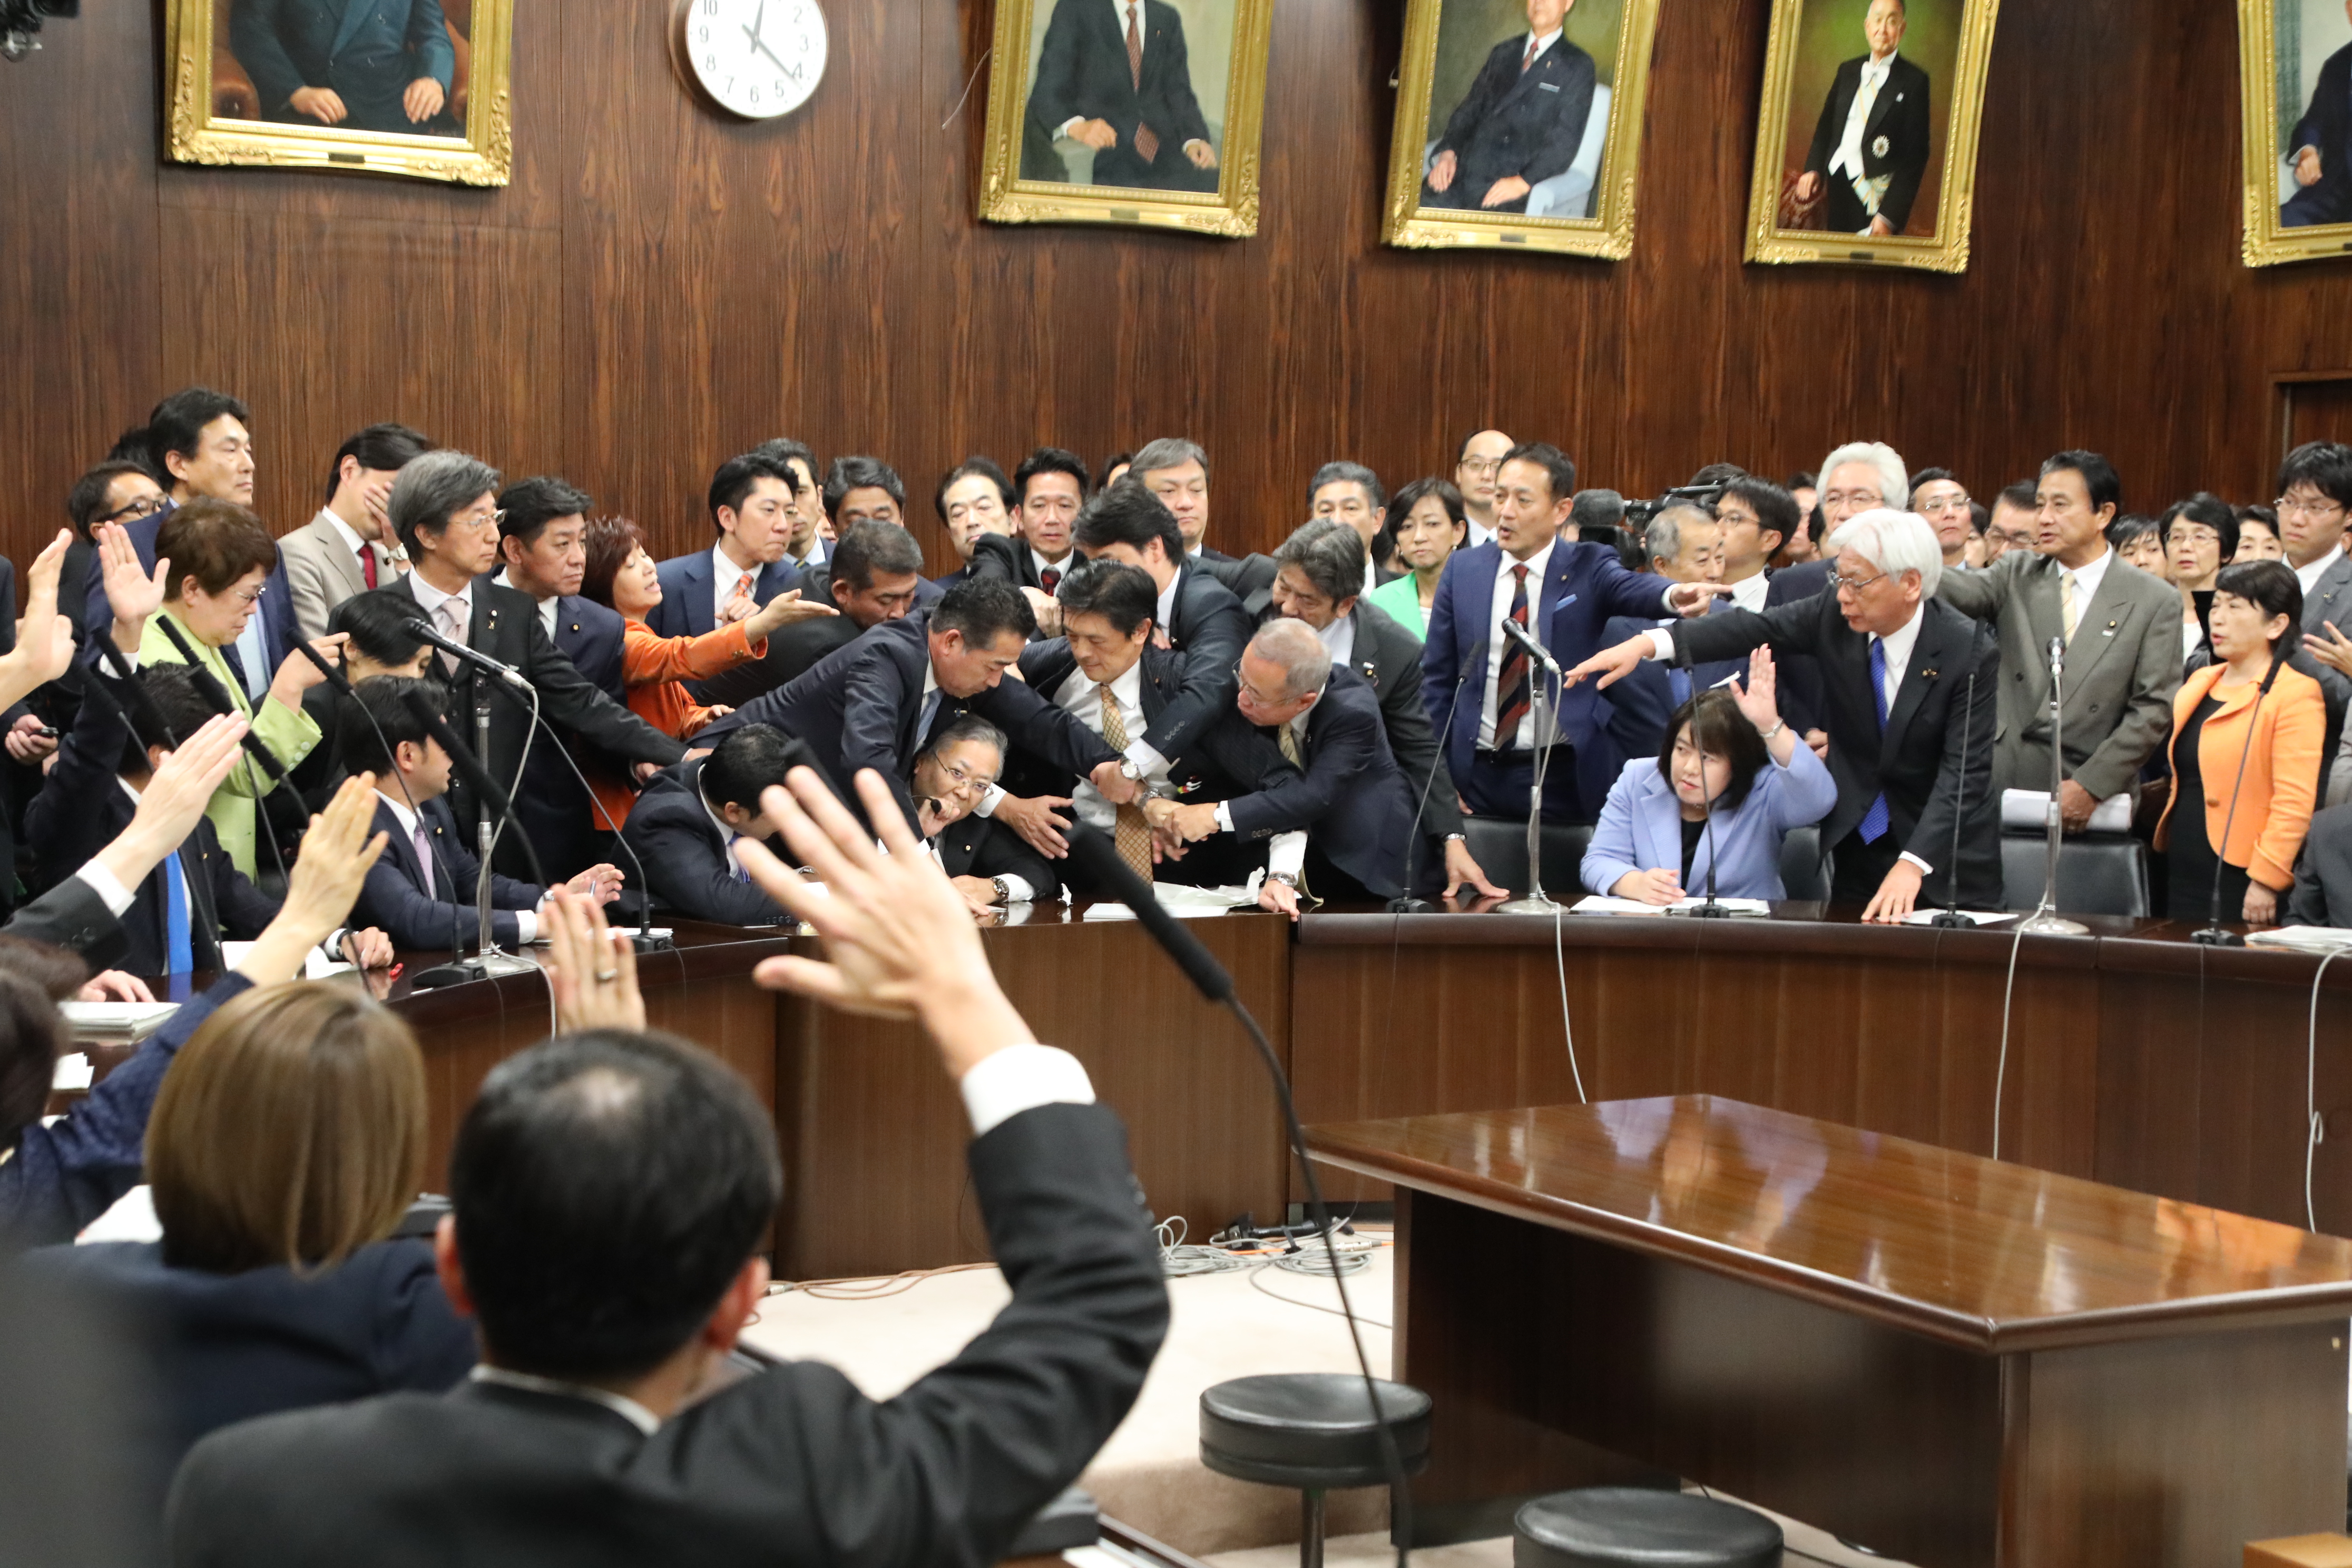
(316, 966)
(2302, 939)
(1602, 904)
(115, 1020)
(73, 1074)
(2028, 810)
(1185, 903)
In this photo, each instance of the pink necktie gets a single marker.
(452, 628)
(424, 855)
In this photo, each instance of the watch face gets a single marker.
(758, 58)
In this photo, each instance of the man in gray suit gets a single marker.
(2122, 631)
(349, 548)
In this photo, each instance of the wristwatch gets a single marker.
(1776, 728)
(1287, 879)
(1128, 771)
(1003, 893)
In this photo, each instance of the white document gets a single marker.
(2029, 809)
(73, 1074)
(2303, 939)
(133, 1218)
(133, 1019)
(1602, 904)
(1185, 903)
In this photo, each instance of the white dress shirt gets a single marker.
(1748, 593)
(547, 606)
(927, 705)
(2086, 584)
(1082, 699)
(724, 576)
(353, 543)
(1339, 639)
(1543, 43)
(1498, 611)
(1479, 532)
(526, 920)
(1043, 566)
(1847, 161)
(2309, 577)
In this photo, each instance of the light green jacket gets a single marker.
(1401, 597)
(289, 732)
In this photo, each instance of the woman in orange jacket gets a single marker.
(620, 575)
(2247, 732)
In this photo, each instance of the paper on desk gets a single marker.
(2029, 809)
(73, 1073)
(1602, 904)
(1185, 903)
(133, 1218)
(2303, 939)
(316, 966)
(1981, 917)
(131, 1018)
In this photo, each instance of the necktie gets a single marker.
(1131, 835)
(1050, 579)
(2068, 611)
(742, 585)
(1678, 681)
(178, 957)
(1529, 58)
(452, 628)
(1513, 691)
(1875, 821)
(367, 565)
(1134, 49)
(1287, 736)
(423, 855)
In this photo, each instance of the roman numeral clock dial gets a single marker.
(753, 58)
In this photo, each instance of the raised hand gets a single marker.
(45, 646)
(1759, 698)
(131, 592)
(591, 968)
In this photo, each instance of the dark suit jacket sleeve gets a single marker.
(253, 35)
(66, 1174)
(415, 922)
(1211, 651)
(2306, 906)
(1439, 669)
(1415, 741)
(1493, 80)
(1792, 627)
(1191, 125)
(1830, 124)
(685, 872)
(1003, 853)
(1556, 153)
(428, 34)
(1344, 747)
(1908, 156)
(1932, 840)
(241, 908)
(1042, 727)
(1053, 95)
(874, 695)
(998, 556)
(63, 824)
(567, 700)
(1637, 593)
(72, 916)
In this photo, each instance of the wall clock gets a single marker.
(753, 58)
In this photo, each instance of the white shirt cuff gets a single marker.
(1146, 756)
(1662, 643)
(1017, 889)
(1667, 599)
(1070, 127)
(1925, 870)
(1022, 1078)
(987, 807)
(526, 927)
(107, 886)
(1225, 818)
(1286, 854)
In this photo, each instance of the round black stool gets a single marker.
(1623, 1527)
(1312, 1430)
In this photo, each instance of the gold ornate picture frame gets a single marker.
(1466, 79)
(2295, 69)
(1068, 105)
(414, 87)
(1918, 164)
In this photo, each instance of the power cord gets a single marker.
(1560, 962)
(2001, 1068)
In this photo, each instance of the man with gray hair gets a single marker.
(443, 507)
(1328, 793)
(1683, 543)
(1897, 666)
(1176, 471)
(1855, 478)
(1351, 493)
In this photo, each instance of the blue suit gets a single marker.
(1641, 827)
(688, 605)
(1583, 586)
(1643, 703)
(365, 51)
(564, 826)
(278, 633)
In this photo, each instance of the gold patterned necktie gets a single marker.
(1129, 833)
(1286, 735)
(2069, 612)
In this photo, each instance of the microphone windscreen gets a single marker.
(1094, 853)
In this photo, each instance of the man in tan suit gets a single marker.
(2122, 631)
(347, 548)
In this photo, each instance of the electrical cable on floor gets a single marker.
(1560, 962)
(1349, 1257)
(1178, 1261)
(1257, 1283)
(868, 1287)
(2313, 1127)
(2001, 1070)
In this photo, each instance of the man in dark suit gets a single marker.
(1176, 471)
(386, 66)
(1049, 489)
(1521, 121)
(876, 704)
(686, 825)
(1335, 807)
(974, 499)
(380, 638)
(1113, 74)
(1316, 581)
(443, 508)
(612, 1195)
(2321, 148)
(986, 860)
(1895, 663)
(1196, 614)
(1870, 146)
(423, 890)
(751, 502)
(1685, 544)
(874, 575)
(1354, 494)
(1481, 689)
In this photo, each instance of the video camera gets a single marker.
(1638, 514)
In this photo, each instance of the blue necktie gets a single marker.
(1875, 821)
(1679, 682)
(177, 957)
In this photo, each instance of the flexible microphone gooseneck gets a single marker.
(421, 628)
(2214, 935)
(1408, 904)
(1709, 910)
(1949, 918)
(1094, 850)
(476, 775)
(1537, 901)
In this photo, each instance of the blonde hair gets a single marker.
(290, 1130)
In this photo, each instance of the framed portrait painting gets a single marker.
(1127, 111)
(388, 87)
(1519, 123)
(2296, 63)
(1866, 144)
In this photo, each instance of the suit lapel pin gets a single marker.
(1370, 669)
(1929, 674)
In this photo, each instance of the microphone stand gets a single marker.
(491, 959)
(1949, 918)
(2215, 934)
(1709, 911)
(1535, 903)
(2044, 920)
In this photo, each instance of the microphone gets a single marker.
(477, 777)
(1949, 918)
(2045, 920)
(1709, 910)
(1098, 858)
(140, 703)
(2214, 935)
(1533, 649)
(421, 628)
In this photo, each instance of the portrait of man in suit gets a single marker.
(1870, 146)
(1118, 80)
(357, 65)
(2317, 153)
(1522, 120)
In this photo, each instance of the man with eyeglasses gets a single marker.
(2121, 627)
(1475, 471)
(444, 510)
(1942, 501)
(2314, 490)
(986, 860)
(2011, 525)
(1859, 476)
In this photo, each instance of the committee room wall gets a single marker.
(657, 288)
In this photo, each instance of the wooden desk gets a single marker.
(1953, 1360)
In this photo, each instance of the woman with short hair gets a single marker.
(1426, 525)
(2201, 537)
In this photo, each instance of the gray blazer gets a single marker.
(324, 574)
(2122, 669)
(2322, 876)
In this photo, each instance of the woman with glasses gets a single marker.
(2201, 537)
(1426, 525)
(212, 560)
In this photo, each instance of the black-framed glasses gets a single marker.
(144, 506)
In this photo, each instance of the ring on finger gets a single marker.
(606, 976)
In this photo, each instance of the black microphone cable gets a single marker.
(2214, 935)
(1100, 858)
(1949, 918)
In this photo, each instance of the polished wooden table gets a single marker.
(1949, 1359)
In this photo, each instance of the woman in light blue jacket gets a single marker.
(1652, 844)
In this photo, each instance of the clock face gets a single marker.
(758, 58)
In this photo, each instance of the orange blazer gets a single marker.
(2282, 770)
(652, 665)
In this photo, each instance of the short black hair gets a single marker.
(1596, 509)
(1722, 731)
(178, 423)
(1329, 554)
(854, 473)
(1554, 462)
(607, 1188)
(1715, 475)
(867, 547)
(2019, 496)
(2129, 526)
(385, 448)
(2272, 587)
(175, 708)
(1929, 477)
(85, 502)
(1980, 515)
(2098, 476)
(1122, 594)
(1775, 509)
(1113, 462)
(531, 504)
(2326, 465)
(1462, 448)
(1128, 513)
(1802, 479)
(1054, 461)
(384, 700)
(783, 449)
(1345, 473)
(985, 467)
(2211, 510)
(736, 476)
(749, 760)
(983, 609)
(381, 625)
(2257, 512)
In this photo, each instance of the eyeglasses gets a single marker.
(1949, 504)
(1839, 584)
(145, 506)
(1862, 498)
(250, 596)
(490, 519)
(2195, 535)
(1482, 465)
(959, 779)
(2320, 506)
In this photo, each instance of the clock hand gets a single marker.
(760, 44)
